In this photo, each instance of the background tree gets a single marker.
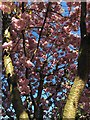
(40, 50)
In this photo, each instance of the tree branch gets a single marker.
(27, 70)
(40, 88)
(41, 30)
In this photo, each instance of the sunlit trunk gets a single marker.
(14, 92)
(12, 78)
(83, 71)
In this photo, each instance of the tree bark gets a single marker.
(12, 78)
(15, 95)
(39, 113)
(73, 98)
(83, 71)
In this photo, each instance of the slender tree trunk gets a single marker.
(71, 106)
(39, 113)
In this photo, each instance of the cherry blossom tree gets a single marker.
(43, 55)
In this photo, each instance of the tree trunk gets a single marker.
(83, 71)
(15, 95)
(73, 98)
(39, 113)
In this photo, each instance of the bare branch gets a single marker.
(41, 29)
